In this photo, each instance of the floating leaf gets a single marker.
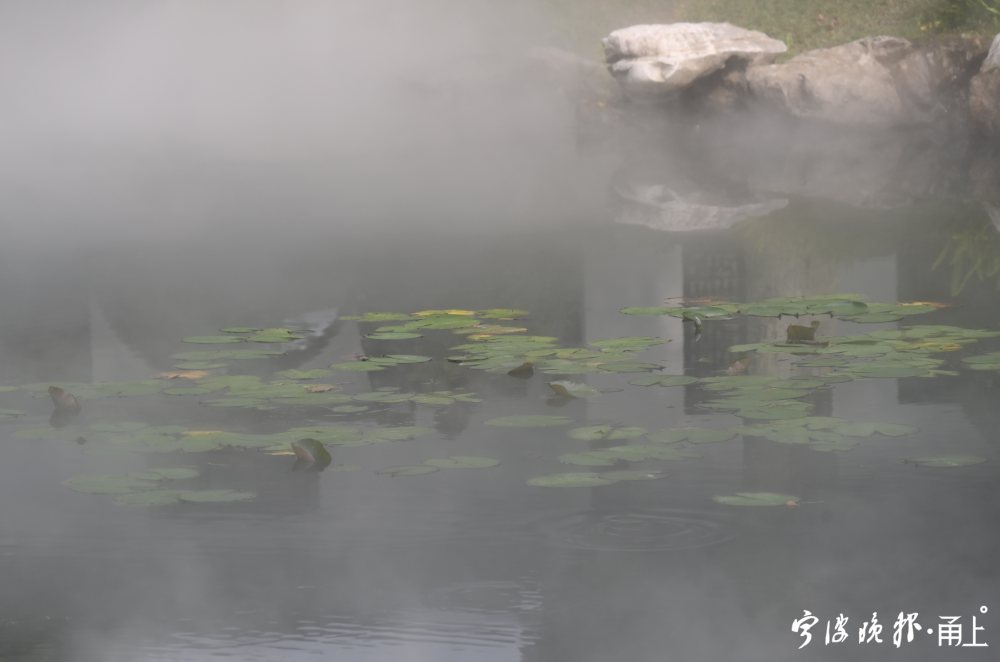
(227, 354)
(274, 336)
(174, 473)
(571, 480)
(663, 380)
(631, 344)
(573, 389)
(240, 329)
(502, 313)
(412, 470)
(758, 499)
(631, 474)
(399, 359)
(692, 435)
(868, 429)
(213, 340)
(609, 432)
(393, 335)
(384, 317)
(358, 366)
(529, 421)
(463, 462)
(947, 461)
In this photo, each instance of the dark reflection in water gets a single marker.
(476, 564)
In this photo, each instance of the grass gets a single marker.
(802, 24)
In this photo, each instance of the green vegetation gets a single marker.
(802, 24)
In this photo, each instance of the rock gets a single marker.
(656, 61)
(984, 92)
(872, 82)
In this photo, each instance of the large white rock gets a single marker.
(660, 60)
(875, 81)
(992, 60)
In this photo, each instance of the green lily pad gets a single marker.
(463, 462)
(240, 329)
(757, 499)
(529, 421)
(868, 429)
(277, 335)
(399, 359)
(358, 366)
(215, 496)
(124, 426)
(411, 470)
(303, 375)
(573, 389)
(631, 344)
(609, 432)
(589, 459)
(571, 480)
(502, 314)
(692, 435)
(631, 474)
(946, 461)
(174, 473)
(663, 380)
(213, 340)
(393, 335)
(227, 354)
(383, 317)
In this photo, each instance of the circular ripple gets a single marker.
(660, 530)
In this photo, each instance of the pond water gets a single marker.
(356, 563)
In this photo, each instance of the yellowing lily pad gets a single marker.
(758, 499)
(571, 480)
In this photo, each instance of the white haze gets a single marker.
(149, 119)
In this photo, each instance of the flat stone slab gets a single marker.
(660, 60)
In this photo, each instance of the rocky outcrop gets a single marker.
(657, 61)
(984, 92)
(872, 82)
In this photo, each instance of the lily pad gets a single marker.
(383, 317)
(463, 462)
(758, 499)
(240, 329)
(663, 380)
(174, 473)
(399, 359)
(277, 335)
(608, 432)
(502, 314)
(529, 421)
(631, 474)
(358, 366)
(411, 470)
(946, 461)
(573, 389)
(692, 435)
(393, 335)
(213, 340)
(571, 480)
(630, 344)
